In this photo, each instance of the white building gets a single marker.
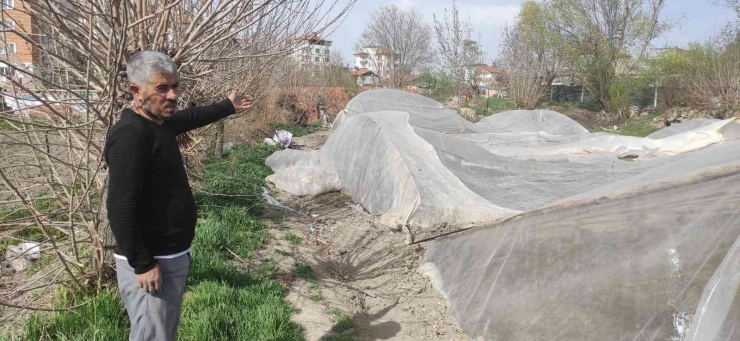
(312, 49)
(379, 60)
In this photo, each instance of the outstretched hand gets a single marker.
(241, 102)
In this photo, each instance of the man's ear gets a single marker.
(135, 92)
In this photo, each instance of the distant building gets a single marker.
(312, 49)
(365, 77)
(380, 60)
(488, 78)
(15, 50)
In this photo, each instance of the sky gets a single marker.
(694, 20)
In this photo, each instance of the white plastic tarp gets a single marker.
(583, 236)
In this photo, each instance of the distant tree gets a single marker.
(531, 54)
(438, 84)
(405, 35)
(604, 41)
(459, 53)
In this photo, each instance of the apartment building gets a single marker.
(379, 60)
(14, 50)
(313, 50)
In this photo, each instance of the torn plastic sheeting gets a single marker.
(305, 181)
(30, 251)
(271, 201)
(291, 157)
(283, 137)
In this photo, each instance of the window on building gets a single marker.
(7, 25)
(8, 48)
(326, 59)
(318, 51)
(6, 71)
(9, 4)
(316, 59)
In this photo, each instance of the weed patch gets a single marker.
(292, 238)
(303, 270)
(343, 329)
(315, 292)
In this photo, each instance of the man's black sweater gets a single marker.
(151, 208)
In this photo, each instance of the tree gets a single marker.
(405, 35)
(604, 41)
(731, 32)
(532, 45)
(459, 53)
(53, 167)
(438, 84)
(531, 54)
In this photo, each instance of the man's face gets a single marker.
(159, 97)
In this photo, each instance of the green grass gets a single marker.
(343, 329)
(40, 263)
(10, 213)
(5, 125)
(102, 319)
(299, 130)
(640, 127)
(236, 179)
(292, 238)
(315, 292)
(216, 311)
(495, 106)
(303, 270)
(570, 107)
(225, 299)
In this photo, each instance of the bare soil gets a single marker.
(362, 268)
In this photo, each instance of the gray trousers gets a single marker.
(154, 317)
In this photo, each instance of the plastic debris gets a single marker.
(30, 251)
(21, 255)
(283, 137)
(272, 202)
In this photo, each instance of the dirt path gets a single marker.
(359, 267)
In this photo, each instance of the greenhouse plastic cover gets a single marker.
(584, 236)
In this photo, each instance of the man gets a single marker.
(151, 208)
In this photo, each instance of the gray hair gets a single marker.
(143, 64)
